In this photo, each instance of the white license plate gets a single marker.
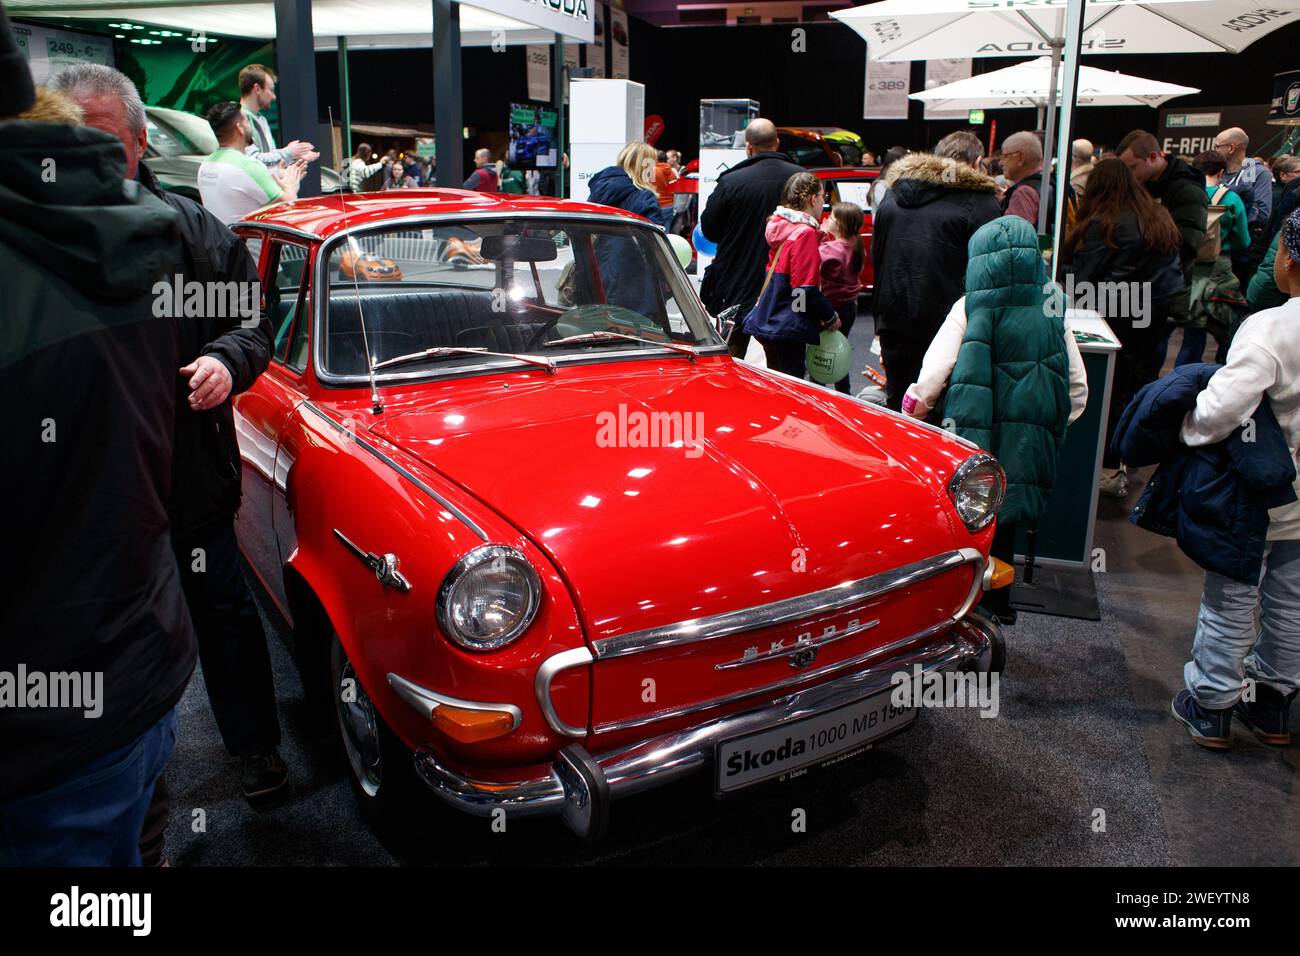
(759, 756)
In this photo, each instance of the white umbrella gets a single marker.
(938, 29)
(1030, 85)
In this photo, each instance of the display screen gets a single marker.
(532, 138)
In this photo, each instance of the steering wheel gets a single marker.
(602, 317)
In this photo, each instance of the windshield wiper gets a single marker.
(446, 351)
(689, 350)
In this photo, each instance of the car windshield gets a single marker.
(511, 286)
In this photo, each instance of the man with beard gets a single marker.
(234, 184)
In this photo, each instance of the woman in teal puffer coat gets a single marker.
(1016, 381)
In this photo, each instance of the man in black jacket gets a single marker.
(1181, 190)
(921, 230)
(735, 218)
(223, 351)
(96, 646)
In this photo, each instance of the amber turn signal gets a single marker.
(472, 726)
(999, 575)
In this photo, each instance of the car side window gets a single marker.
(254, 246)
(297, 357)
(285, 295)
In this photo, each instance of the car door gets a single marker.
(261, 412)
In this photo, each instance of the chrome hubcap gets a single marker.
(357, 722)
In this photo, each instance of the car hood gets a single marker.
(747, 488)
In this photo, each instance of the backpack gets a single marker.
(1212, 245)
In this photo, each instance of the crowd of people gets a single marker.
(974, 333)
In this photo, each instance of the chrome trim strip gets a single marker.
(318, 301)
(792, 681)
(575, 657)
(658, 760)
(425, 701)
(853, 627)
(782, 612)
(405, 473)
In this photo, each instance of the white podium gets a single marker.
(604, 116)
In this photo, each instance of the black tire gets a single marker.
(377, 763)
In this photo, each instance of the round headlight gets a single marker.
(976, 490)
(489, 598)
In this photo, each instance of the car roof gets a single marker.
(324, 216)
(845, 172)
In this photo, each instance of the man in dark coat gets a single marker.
(96, 645)
(1180, 189)
(223, 351)
(922, 228)
(735, 218)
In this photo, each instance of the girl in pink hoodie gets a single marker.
(792, 238)
(842, 255)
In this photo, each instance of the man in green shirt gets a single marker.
(233, 184)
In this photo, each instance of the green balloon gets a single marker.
(682, 247)
(828, 361)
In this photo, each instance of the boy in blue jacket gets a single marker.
(1230, 654)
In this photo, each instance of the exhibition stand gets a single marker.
(722, 145)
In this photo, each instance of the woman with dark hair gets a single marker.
(791, 311)
(1121, 259)
(397, 177)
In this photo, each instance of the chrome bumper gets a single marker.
(580, 786)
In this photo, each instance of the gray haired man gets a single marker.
(223, 355)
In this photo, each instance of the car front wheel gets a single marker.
(379, 764)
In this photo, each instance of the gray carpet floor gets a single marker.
(1084, 727)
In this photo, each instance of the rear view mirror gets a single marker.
(518, 248)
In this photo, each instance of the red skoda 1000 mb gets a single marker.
(545, 543)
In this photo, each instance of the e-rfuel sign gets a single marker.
(1185, 132)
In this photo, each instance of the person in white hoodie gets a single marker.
(941, 356)
(1230, 653)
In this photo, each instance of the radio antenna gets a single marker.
(376, 407)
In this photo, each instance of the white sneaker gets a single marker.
(1113, 483)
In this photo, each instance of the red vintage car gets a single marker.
(544, 543)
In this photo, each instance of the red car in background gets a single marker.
(543, 543)
(842, 183)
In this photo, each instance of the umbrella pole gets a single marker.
(1049, 140)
